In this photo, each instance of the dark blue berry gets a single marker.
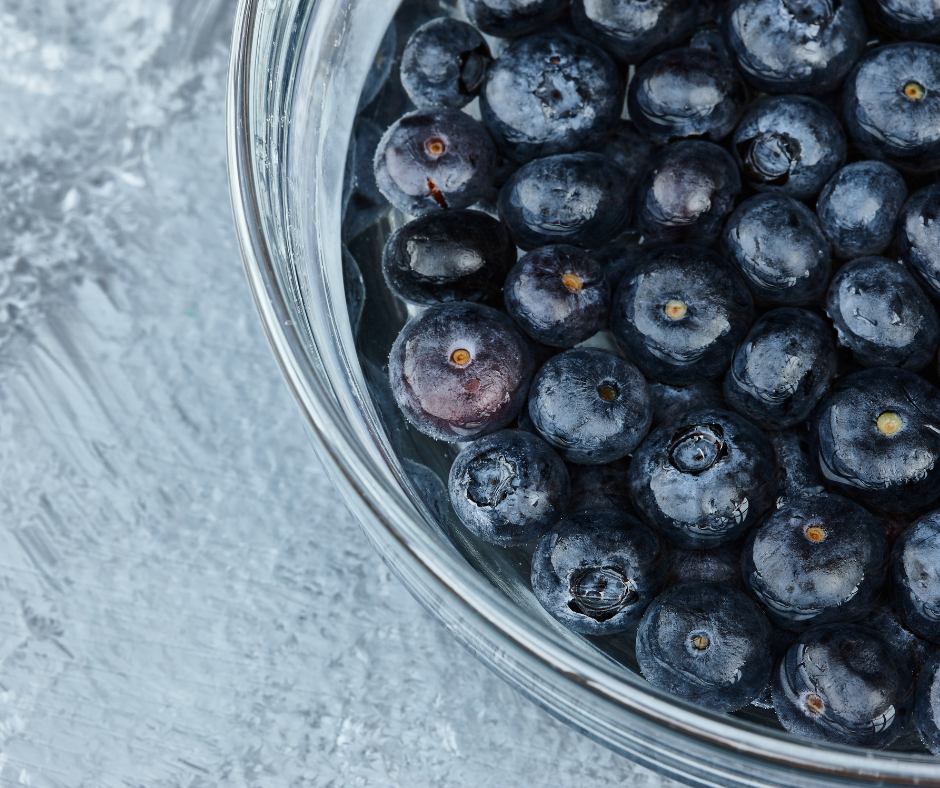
(707, 643)
(927, 704)
(434, 159)
(876, 438)
(444, 63)
(448, 256)
(686, 92)
(919, 237)
(915, 577)
(789, 144)
(782, 368)
(913, 651)
(859, 206)
(509, 488)
(511, 18)
(600, 487)
(459, 371)
(597, 571)
(816, 560)
(800, 474)
(592, 406)
(794, 46)
(670, 402)
(629, 150)
(680, 314)
(558, 295)
(908, 19)
(703, 479)
(881, 313)
(550, 93)
(634, 30)
(844, 684)
(892, 105)
(779, 248)
(690, 188)
(575, 198)
(720, 564)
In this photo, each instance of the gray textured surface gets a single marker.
(184, 601)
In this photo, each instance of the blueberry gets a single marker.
(680, 314)
(558, 295)
(844, 684)
(686, 92)
(876, 438)
(892, 105)
(597, 571)
(592, 406)
(707, 643)
(816, 560)
(913, 651)
(617, 260)
(703, 479)
(448, 256)
(915, 577)
(434, 159)
(688, 191)
(511, 18)
(778, 246)
(629, 150)
(575, 198)
(509, 488)
(782, 368)
(800, 474)
(789, 144)
(927, 705)
(600, 487)
(794, 46)
(670, 402)
(444, 63)
(859, 206)
(881, 313)
(908, 19)
(634, 30)
(459, 371)
(919, 237)
(720, 564)
(550, 93)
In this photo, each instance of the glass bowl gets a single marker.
(297, 71)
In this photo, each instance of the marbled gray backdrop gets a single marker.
(184, 600)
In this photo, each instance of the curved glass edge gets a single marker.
(307, 333)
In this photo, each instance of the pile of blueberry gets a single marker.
(674, 268)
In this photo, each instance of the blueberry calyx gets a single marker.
(890, 423)
(915, 91)
(460, 357)
(769, 157)
(697, 448)
(676, 309)
(573, 282)
(488, 490)
(608, 391)
(601, 592)
(814, 704)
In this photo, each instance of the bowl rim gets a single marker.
(451, 590)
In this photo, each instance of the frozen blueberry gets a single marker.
(575, 198)
(927, 704)
(892, 105)
(509, 488)
(595, 487)
(704, 479)
(881, 313)
(688, 191)
(550, 93)
(597, 571)
(680, 314)
(511, 18)
(779, 248)
(794, 46)
(816, 560)
(859, 206)
(434, 159)
(876, 438)
(670, 402)
(919, 237)
(628, 149)
(558, 295)
(592, 406)
(448, 256)
(908, 19)
(686, 92)
(707, 643)
(800, 475)
(915, 577)
(720, 564)
(634, 30)
(782, 368)
(844, 684)
(618, 260)
(913, 651)
(459, 371)
(444, 63)
(789, 144)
